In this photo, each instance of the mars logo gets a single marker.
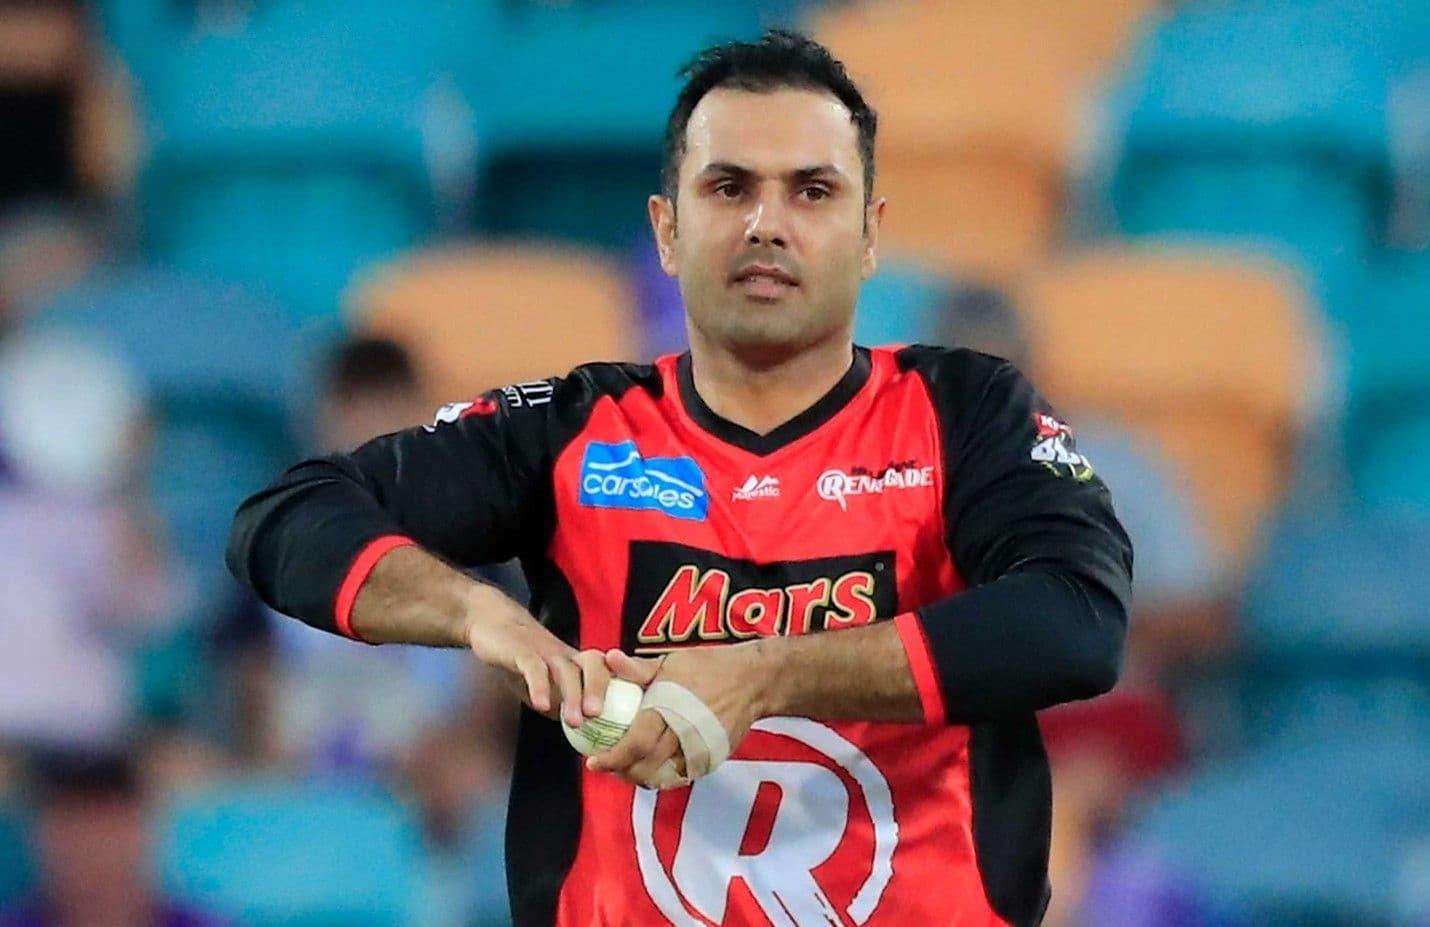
(677, 594)
(805, 837)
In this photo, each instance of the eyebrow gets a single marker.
(799, 174)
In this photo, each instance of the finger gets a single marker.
(624, 666)
(595, 677)
(538, 683)
(639, 741)
(643, 770)
(568, 681)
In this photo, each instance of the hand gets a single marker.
(543, 671)
(727, 678)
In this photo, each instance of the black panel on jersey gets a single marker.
(1012, 816)
(794, 429)
(1004, 510)
(543, 826)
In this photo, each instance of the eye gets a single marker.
(728, 189)
(815, 192)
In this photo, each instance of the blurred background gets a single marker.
(237, 231)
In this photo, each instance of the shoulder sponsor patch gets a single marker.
(1054, 449)
(617, 476)
(452, 411)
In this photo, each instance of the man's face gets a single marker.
(771, 236)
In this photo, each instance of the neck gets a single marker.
(762, 392)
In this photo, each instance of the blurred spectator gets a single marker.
(93, 845)
(460, 772)
(45, 246)
(370, 387)
(340, 705)
(41, 65)
(84, 576)
(984, 318)
(422, 715)
(658, 303)
(1107, 752)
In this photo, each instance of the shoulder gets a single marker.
(958, 378)
(607, 378)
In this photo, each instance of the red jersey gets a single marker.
(930, 487)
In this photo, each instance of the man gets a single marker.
(773, 482)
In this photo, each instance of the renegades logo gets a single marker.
(677, 595)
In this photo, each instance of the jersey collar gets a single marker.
(802, 424)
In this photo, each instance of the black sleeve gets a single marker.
(1033, 534)
(474, 487)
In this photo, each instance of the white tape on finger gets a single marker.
(703, 740)
(666, 777)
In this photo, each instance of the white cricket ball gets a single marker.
(623, 701)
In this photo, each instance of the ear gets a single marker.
(873, 218)
(662, 224)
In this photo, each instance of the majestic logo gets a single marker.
(1055, 450)
(616, 476)
(839, 485)
(757, 487)
(808, 838)
(677, 595)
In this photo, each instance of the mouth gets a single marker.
(764, 281)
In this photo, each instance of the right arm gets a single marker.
(359, 544)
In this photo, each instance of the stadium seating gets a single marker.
(222, 417)
(1338, 591)
(1307, 835)
(978, 106)
(284, 151)
(478, 317)
(570, 144)
(1306, 826)
(900, 304)
(1261, 121)
(1388, 420)
(1208, 354)
(284, 855)
(16, 864)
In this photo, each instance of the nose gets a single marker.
(766, 222)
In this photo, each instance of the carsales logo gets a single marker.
(809, 837)
(839, 485)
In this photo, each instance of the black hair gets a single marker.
(367, 363)
(779, 59)
(58, 774)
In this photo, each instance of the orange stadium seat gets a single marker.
(977, 103)
(478, 317)
(1208, 354)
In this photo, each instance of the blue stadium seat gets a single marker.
(17, 870)
(224, 371)
(574, 152)
(1343, 590)
(1261, 120)
(900, 304)
(1388, 419)
(1306, 835)
(287, 855)
(287, 151)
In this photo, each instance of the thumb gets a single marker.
(632, 669)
